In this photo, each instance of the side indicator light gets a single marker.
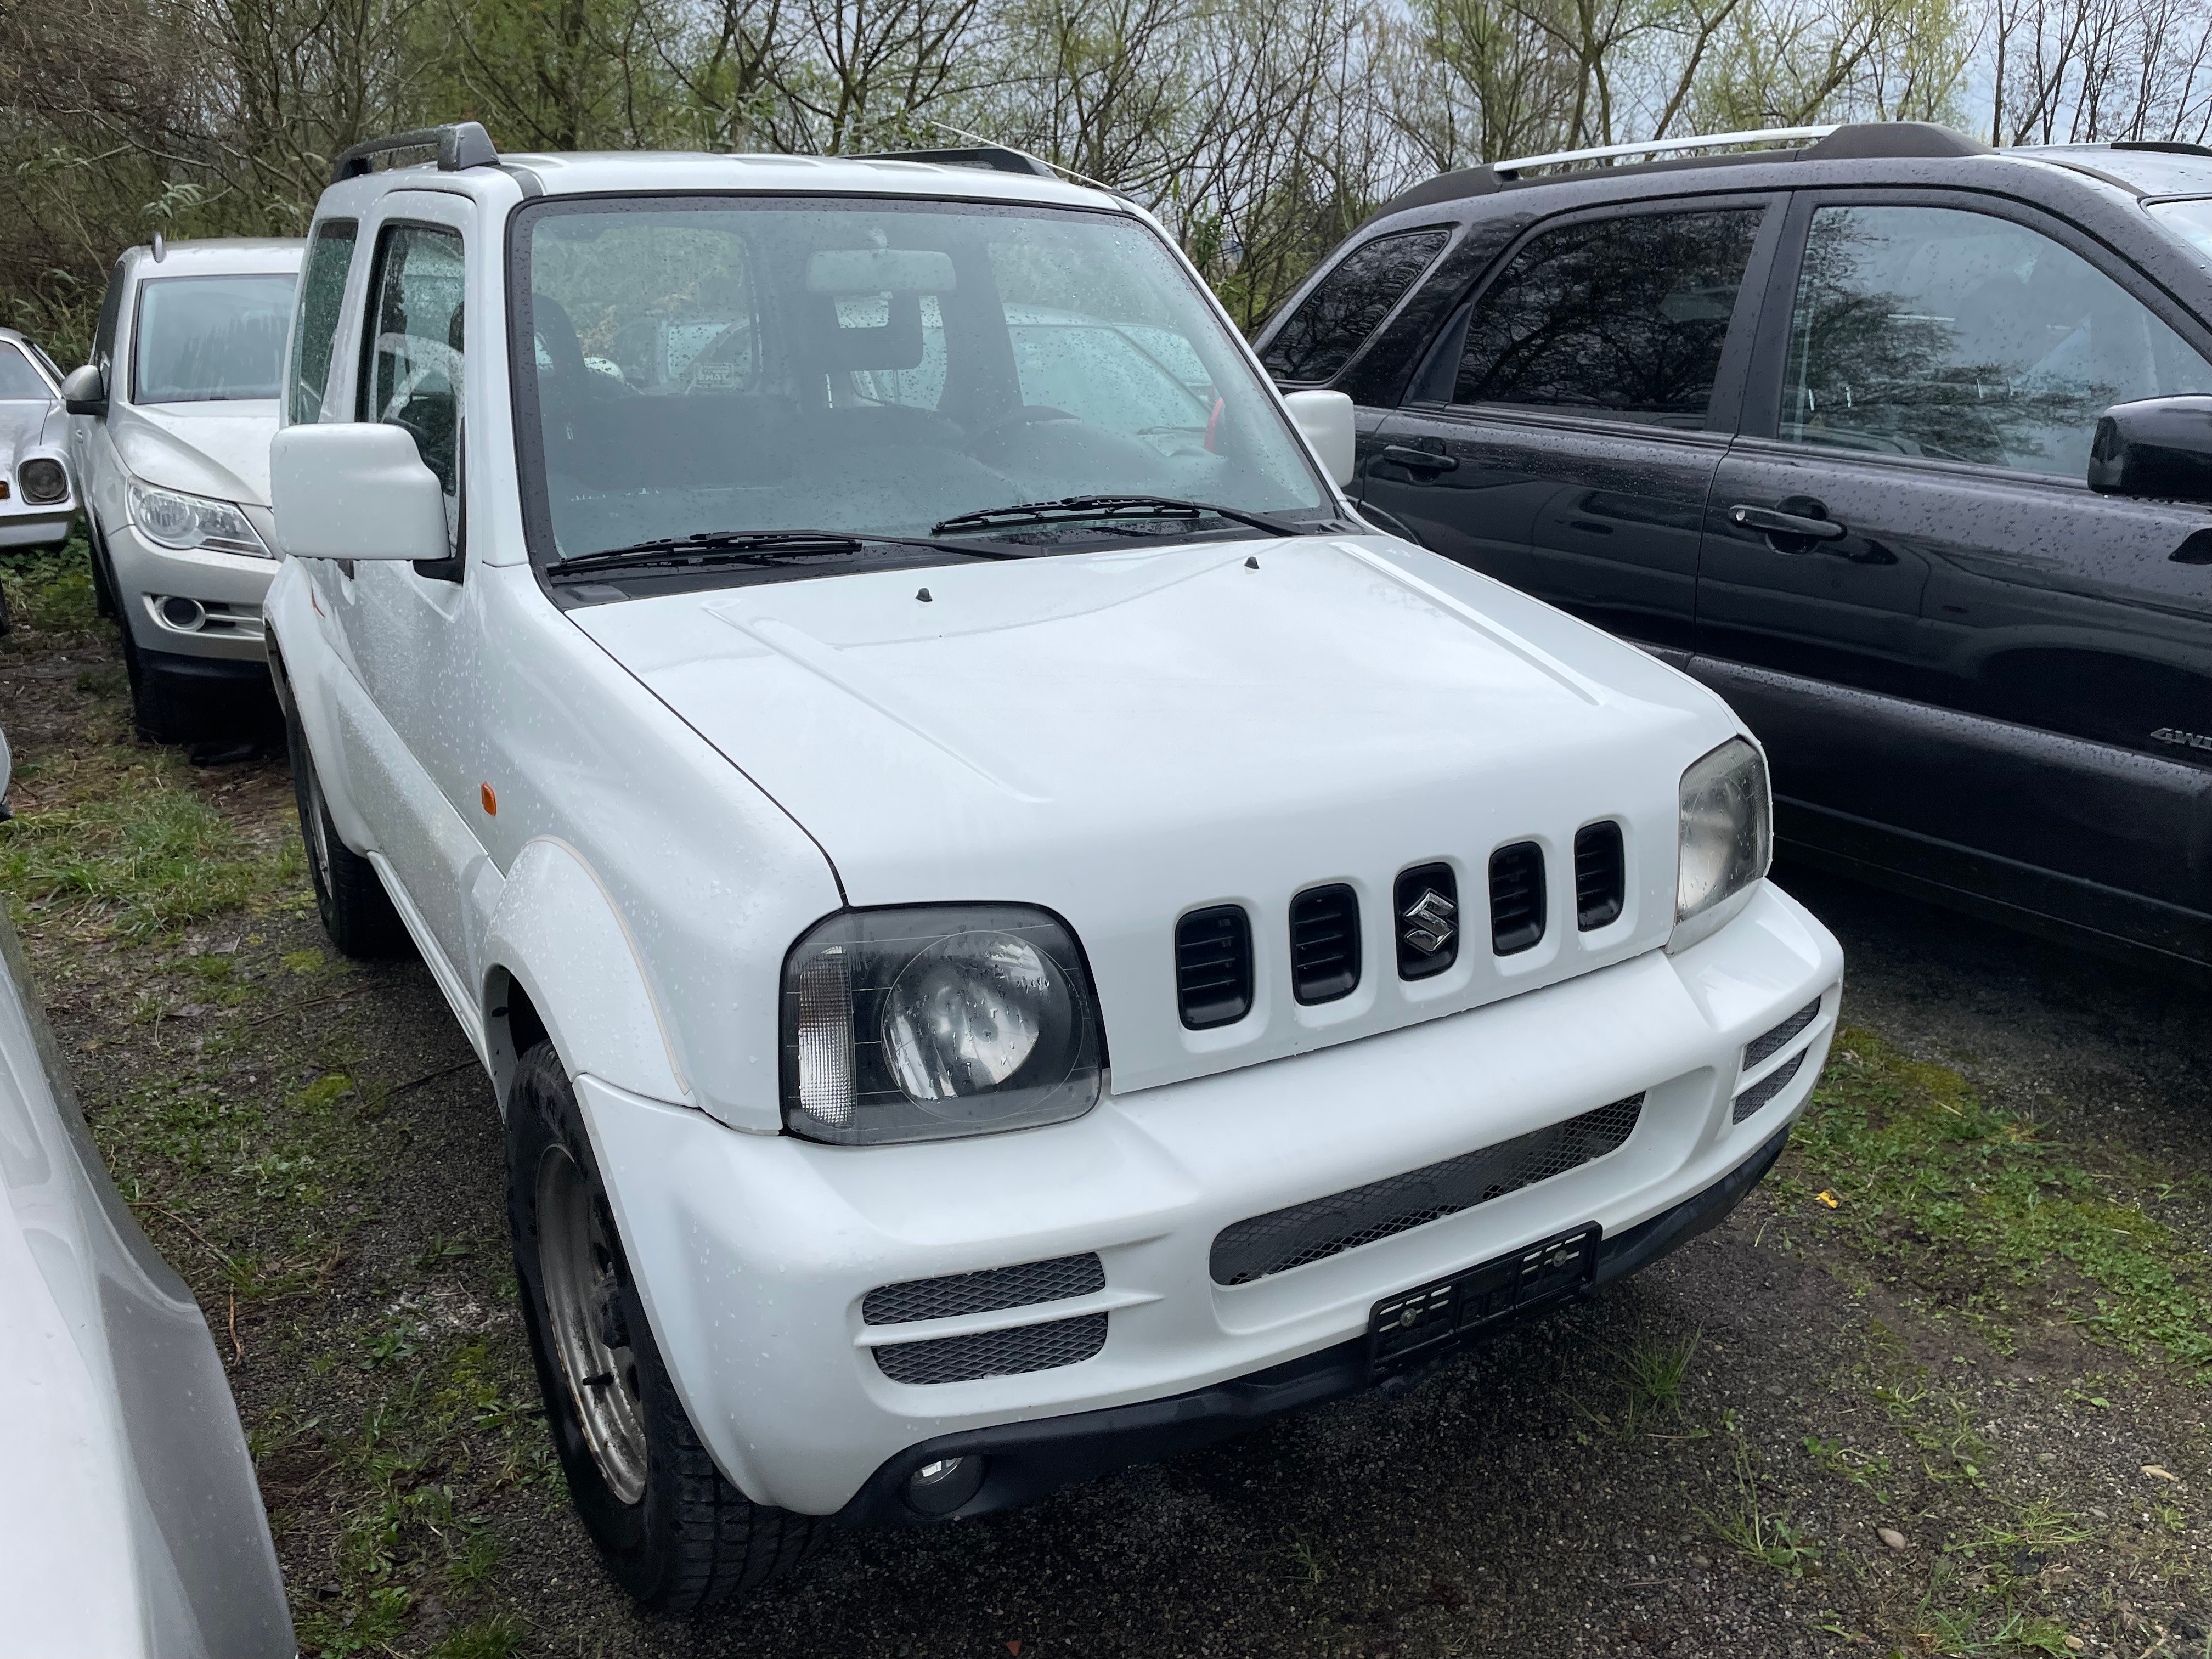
(490, 801)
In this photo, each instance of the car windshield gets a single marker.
(697, 366)
(2192, 221)
(211, 339)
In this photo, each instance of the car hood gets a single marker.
(218, 449)
(27, 428)
(1123, 737)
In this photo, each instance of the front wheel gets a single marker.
(675, 1535)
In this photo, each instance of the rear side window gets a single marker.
(1624, 317)
(315, 328)
(1350, 304)
(18, 381)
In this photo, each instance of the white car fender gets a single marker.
(297, 670)
(556, 934)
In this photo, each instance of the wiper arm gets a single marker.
(1078, 507)
(721, 546)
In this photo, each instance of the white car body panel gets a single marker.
(633, 811)
(33, 429)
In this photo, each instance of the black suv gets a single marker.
(1816, 425)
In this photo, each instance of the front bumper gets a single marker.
(27, 525)
(225, 588)
(753, 1253)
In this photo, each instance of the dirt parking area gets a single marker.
(1938, 1387)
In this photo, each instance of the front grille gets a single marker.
(1425, 917)
(1517, 898)
(1313, 1231)
(1600, 875)
(1765, 1089)
(1213, 967)
(1324, 943)
(983, 1293)
(994, 1354)
(1760, 1047)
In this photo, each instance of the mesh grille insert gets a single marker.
(994, 1354)
(1599, 871)
(1765, 1089)
(1324, 943)
(1314, 1232)
(1213, 967)
(1760, 1047)
(983, 1293)
(1517, 898)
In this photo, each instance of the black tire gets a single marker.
(357, 913)
(162, 711)
(103, 582)
(687, 1538)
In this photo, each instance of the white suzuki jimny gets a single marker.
(1012, 933)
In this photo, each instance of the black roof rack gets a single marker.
(459, 145)
(2163, 146)
(993, 158)
(1856, 141)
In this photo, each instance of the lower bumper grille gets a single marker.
(983, 1293)
(1309, 1232)
(1765, 1089)
(1774, 1042)
(994, 1354)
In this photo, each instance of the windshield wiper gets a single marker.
(1075, 508)
(724, 546)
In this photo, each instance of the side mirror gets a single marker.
(355, 491)
(1325, 418)
(2159, 447)
(84, 391)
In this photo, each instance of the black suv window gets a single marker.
(1924, 331)
(1623, 317)
(1349, 304)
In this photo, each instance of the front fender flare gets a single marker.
(556, 933)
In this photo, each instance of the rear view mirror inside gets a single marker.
(879, 270)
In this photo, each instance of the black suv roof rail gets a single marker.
(459, 145)
(993, 158)
(1859, 140)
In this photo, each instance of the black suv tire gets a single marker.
(675, 1533)
(357, 914)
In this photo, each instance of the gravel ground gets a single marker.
(1788, 1438)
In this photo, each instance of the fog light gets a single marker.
(182, 614)
(942, 1486)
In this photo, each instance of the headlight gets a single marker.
(936, 1020)
(1726, 837)
(186, 522)
(43, 480)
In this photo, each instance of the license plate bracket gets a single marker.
(1413, 1329)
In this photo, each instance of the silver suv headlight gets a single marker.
(929, 1021)
(1727, 838)
(173, 518)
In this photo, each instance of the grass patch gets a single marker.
(1980, 1210)
(48, 590)
(142, 858)
(1748, 1520)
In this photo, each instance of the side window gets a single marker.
(315, 327)
(18, 381)
(1350, 304)
(103, 334)
(1624, 317)
(411, 372)
(1958, 335)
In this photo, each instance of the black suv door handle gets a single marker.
(1419, 460)
(1767, 520)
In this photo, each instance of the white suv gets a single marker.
(1013, 933)
(169, 431)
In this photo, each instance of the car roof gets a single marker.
(2151, 169)
(219, 256)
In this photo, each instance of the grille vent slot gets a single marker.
(1283, 1239)
(1773, 1041)
(983, 1293)
(994, 1354)
(1324, 943)
(1765, 1089)
(1600, 875)
(1517, 898)
(1425, 920)
(1213, 967)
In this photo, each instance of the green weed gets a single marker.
(1766, 1536)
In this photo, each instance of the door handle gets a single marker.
(1419, 460)
(1769, 522)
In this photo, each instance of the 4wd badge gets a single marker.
(2174, 734)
